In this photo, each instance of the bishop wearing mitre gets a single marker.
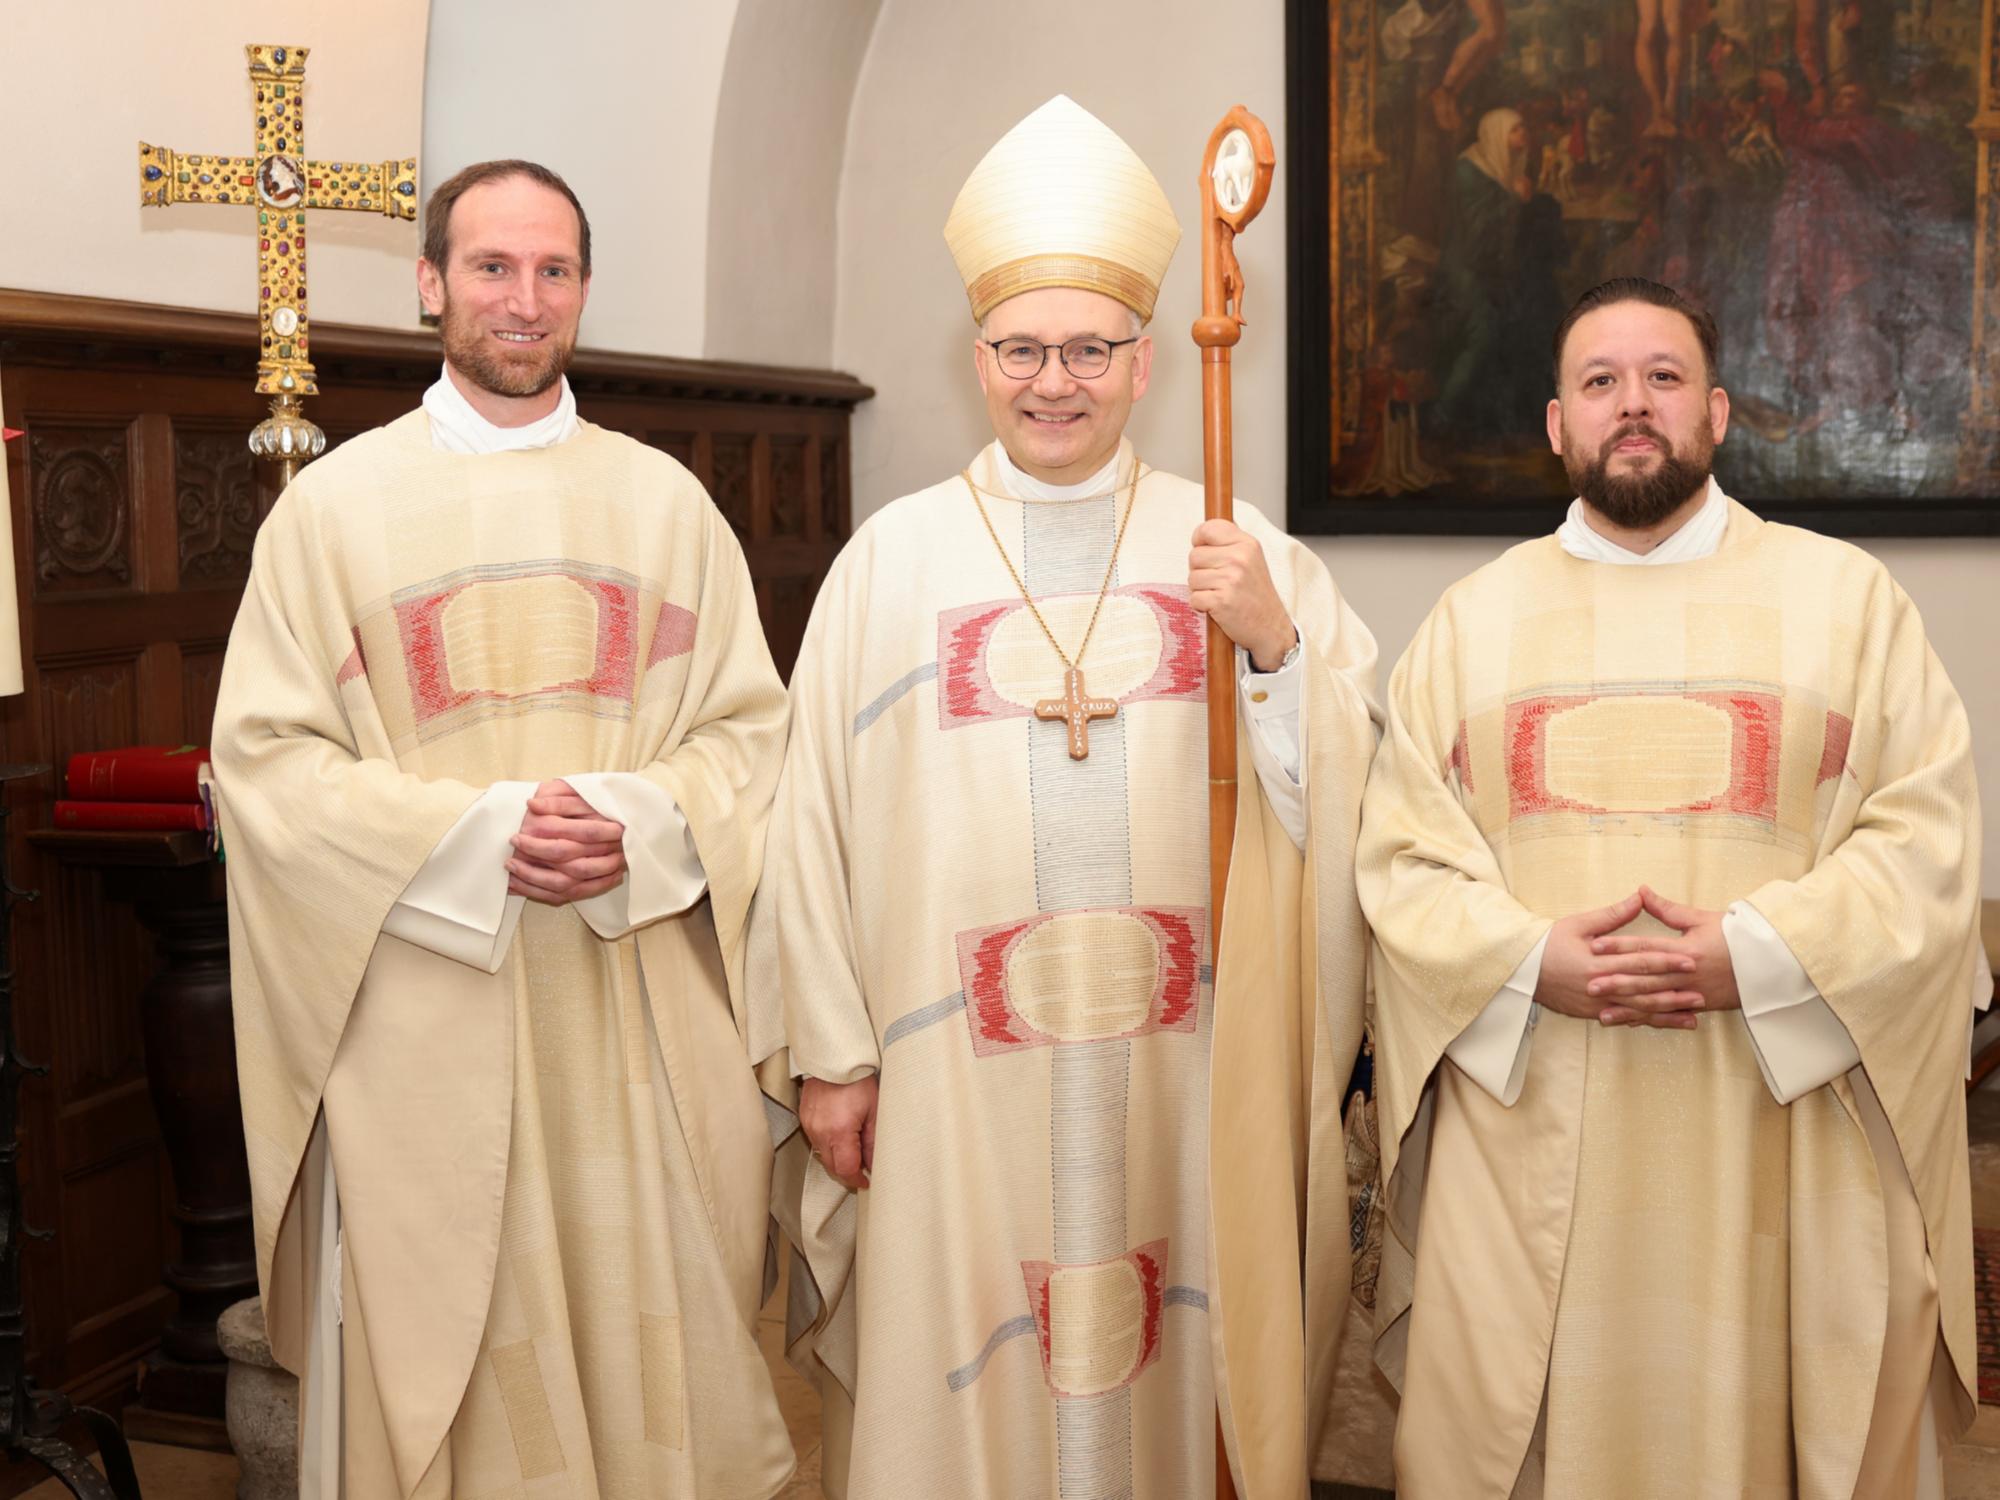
(1063, 1171)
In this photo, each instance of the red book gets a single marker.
(133, 817)
(142, 773)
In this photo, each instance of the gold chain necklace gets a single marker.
(1076, 708)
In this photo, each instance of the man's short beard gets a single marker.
(1638, 501)
(466, 348)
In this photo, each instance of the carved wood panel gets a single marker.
(729, 486)
(786, 605)
(834, 470)
(135, 507)
(80, 483)
(679, 444)
(215, 505)
(90, 1134)
(790, 501)
(115, 1278)
(201, 680)
(88, 703)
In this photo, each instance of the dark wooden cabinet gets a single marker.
(135, 503)
(174, 884)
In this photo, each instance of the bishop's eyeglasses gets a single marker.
(1086, 358)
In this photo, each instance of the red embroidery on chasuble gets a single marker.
(509, 637)
(1149, 646)
(1183, 672)
(673, 635)
(1461, 758)
(1098, 1325)
(962, 637)
(1182, 953)
(1645, 751)
(1833, 757)
(356, 664)
(983, 967)
(1091, 975)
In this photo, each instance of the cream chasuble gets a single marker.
(1647, 1277)
(553, 1178)
(1033, 1297)
(458, 904)
(1797, 1040)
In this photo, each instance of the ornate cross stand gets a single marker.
(30, 1417)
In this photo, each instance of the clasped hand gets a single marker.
(566, 850)
(1592, 970)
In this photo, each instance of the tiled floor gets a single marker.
(1972, 1472)
(1972, 1469)
(187, 1474)
(796, 1399)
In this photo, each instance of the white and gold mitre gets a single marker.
(1060, 200)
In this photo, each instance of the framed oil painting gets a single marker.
(1820, 173)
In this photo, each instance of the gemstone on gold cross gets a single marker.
(279, 175)
(1076, 708)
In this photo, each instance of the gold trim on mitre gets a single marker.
(1060, 200)
(1085, 271)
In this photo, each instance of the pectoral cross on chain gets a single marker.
(1077, 709)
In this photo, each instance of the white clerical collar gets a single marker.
(457, 428)
(1700, 535)
(1027, 487)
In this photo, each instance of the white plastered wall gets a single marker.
(620, 97)
(85, 83)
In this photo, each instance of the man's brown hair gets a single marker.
(437, 213)
(1657, 294)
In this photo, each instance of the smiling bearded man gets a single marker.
(496, 742)
(987, 899)
(1671, 853)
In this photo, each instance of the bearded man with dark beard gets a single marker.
(1638, 498)
(496, 745)
(1671, 856)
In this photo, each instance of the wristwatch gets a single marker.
(1298, 642)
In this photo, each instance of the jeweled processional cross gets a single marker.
(281, 183)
